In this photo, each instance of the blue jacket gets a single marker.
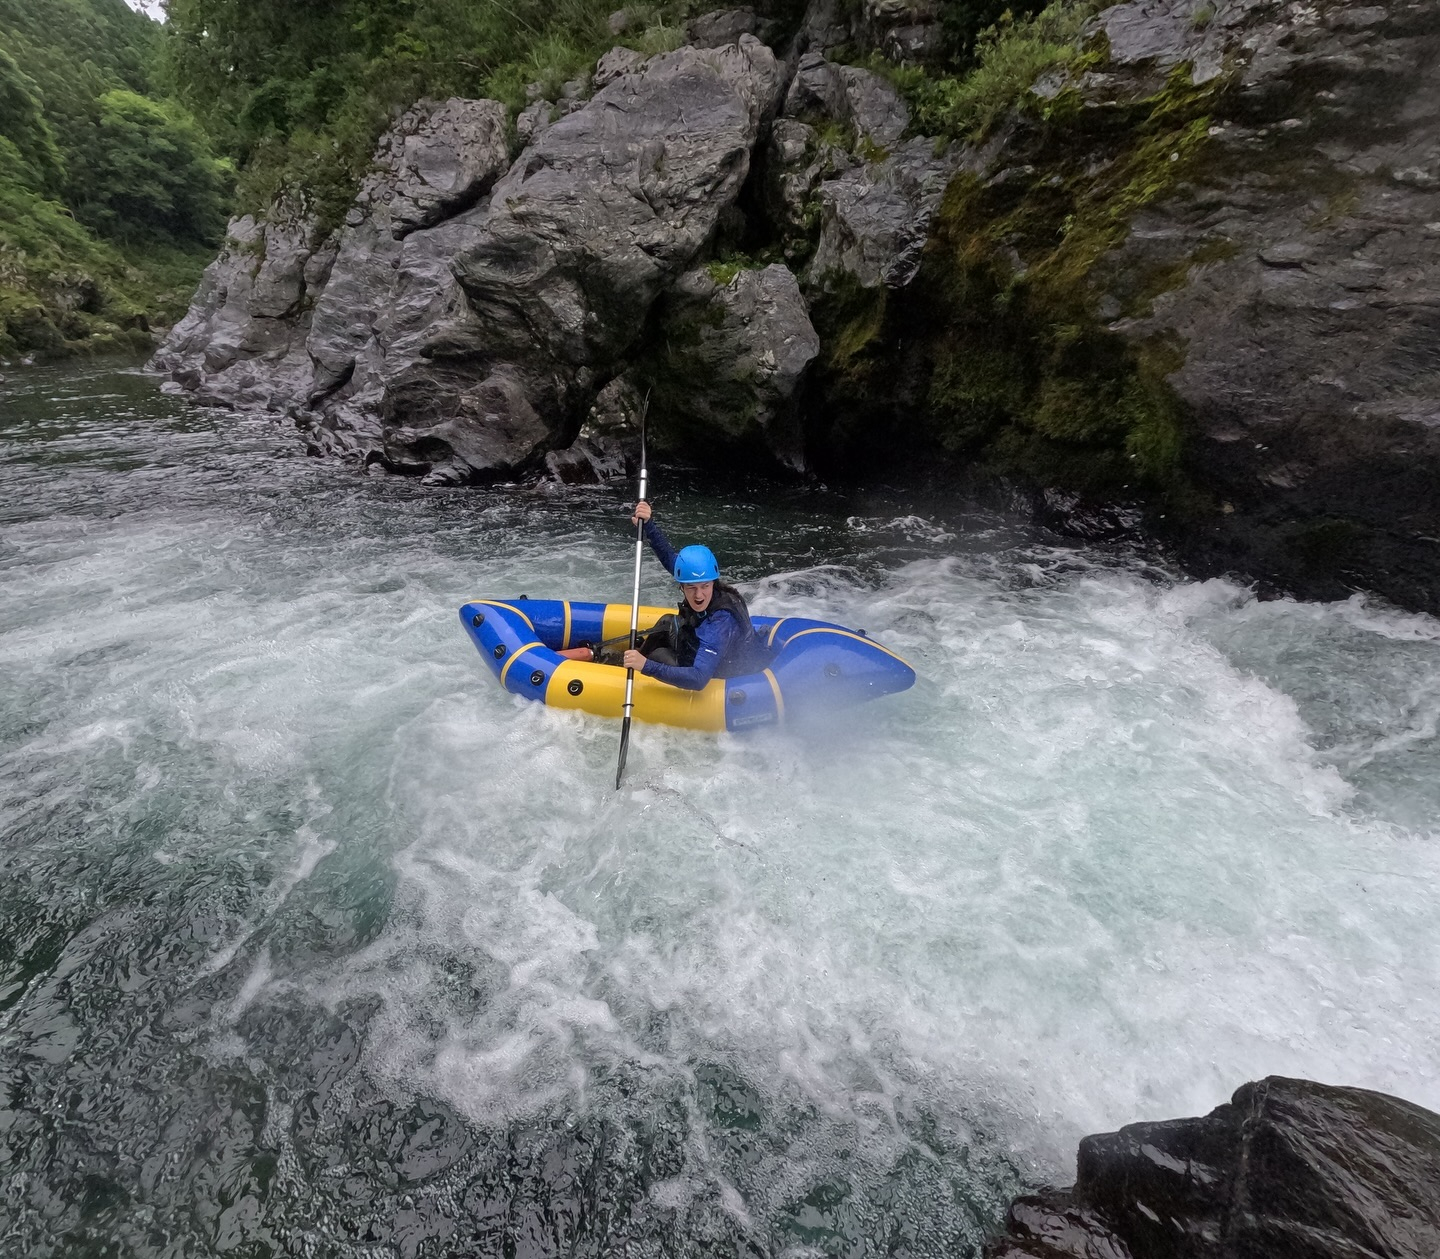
(725, 648)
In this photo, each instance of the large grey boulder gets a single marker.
(871, 204)
(615, 64)
(850, 95)
(500, 321)
(438, 161)
(286, 320)
(734, 353)
(725, 26)
(602, 212)
(876, 216)
(242, 342)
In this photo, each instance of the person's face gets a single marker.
(698, 594)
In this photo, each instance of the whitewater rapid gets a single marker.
(1131, 841)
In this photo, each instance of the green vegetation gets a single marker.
(966, 24)
(110, 198)
(1005, 61)
(298, 94)
(997, 52)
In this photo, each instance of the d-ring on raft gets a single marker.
(815, 667)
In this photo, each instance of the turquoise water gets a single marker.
(312, 941)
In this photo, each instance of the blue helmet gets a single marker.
(696, 564)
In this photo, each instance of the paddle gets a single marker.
(634, 602)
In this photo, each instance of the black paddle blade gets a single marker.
(624, 747)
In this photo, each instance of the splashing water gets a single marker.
(314, 941)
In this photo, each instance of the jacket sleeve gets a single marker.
(660, 544)
(717, 635)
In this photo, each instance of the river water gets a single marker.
(312, 941)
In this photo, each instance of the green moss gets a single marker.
(867, 149)
(1027, 379)
(974, 390)
(1340, 204)
(849, 318)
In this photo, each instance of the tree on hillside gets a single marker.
(146, 171)
(23, 123)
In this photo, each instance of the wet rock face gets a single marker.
(876, 216)
(850, 95)
(869, 205)
(608, 206)
(1312, 332)
(437, 160)
(1287, 1168)
(242, 342)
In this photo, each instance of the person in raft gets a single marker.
(708, 636)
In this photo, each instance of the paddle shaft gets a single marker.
(634, 604)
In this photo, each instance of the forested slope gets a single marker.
(110, 197)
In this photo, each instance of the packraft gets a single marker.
(815, 668)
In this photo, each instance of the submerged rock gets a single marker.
(1287, 1168)
(589, 461)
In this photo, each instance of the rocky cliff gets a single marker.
(1190, 272)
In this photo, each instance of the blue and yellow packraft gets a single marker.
(815, 667)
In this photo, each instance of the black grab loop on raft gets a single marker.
(499, 652)
(737, 697)
(478, 620)
(536, 678)
(575, 686)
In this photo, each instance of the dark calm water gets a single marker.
(313, 942)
